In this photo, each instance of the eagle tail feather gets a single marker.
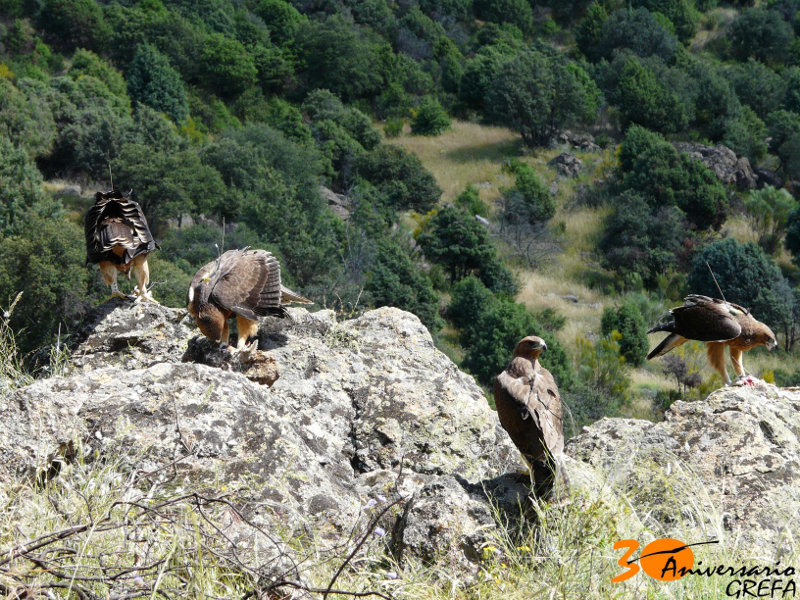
(673, 340)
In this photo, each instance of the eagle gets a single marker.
(118, 239)
(718, 323)
(529, 407)
(245, 283)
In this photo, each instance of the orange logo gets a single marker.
(665, 559)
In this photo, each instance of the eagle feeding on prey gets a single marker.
(718, 323)
(245, 283)
(118, 239)
(529, 407)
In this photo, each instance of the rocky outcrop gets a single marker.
(338, 203)
(582, 141)
(567, 164)
(354, 411)
(330, 421)
(724, 163)
(728, 467)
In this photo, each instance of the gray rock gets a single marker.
(338, 203)
(766, 177)
(361, 409)
(723, 162)
(567, 164)
(726, 466)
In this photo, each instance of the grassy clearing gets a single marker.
(467, 153)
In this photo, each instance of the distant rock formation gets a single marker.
(723, 161)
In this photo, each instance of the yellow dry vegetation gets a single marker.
(467, 153)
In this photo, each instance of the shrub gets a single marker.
(431, 118)
(627, 319)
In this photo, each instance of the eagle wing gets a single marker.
(247, 282)
(707, 319)
(529, 407)
(116, 221)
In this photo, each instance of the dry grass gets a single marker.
(467, 153)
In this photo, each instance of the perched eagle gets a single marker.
(529, 407)
(118, 239)
(245, 283)
(719, 324)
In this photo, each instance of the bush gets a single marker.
(153, 81)
(431, 118)
(747, 276)
(395, 280)
(470, 201)
(650, 165)
(400, 176)
(761, 34)
(537, 94)
(529, 201)
(491, 326)
(627, 319)
(769, 210)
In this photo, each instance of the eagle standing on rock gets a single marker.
(529, 407)
(718, 323)
(118, 239)
(245, 283)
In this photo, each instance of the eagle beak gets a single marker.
(544, 347)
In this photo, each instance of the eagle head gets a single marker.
(530, 347)
(765, 337)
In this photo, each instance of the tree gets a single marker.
(650, 165)
(458, 242)
(536, 94)
(491, 326)
(757, 86)
(44, 261)
(153, 81)
(761, 34)
(529, 201)
(226, 67)
(638, 30)
(20, 188)
(282, 19)
(746, 275)
(769, 210)
(681, 14)
(394, 280)
(26, 117)
(627, 319)
(349, 60)
(643, 97)
(75, 23)
(431, 118)
(516, 12)
(400, 176)
(590, 31)
(638, 241)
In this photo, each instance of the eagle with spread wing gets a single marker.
(529, 407)
(245, 283)
(118, 239)
(718, 323)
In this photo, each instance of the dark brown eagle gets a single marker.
(245, 283)
(529, 407)
(718, 323)
(118, 239)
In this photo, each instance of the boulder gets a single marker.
(357, 410)
(728, 466)
(766, 177)
(338, 203)
(723, 162)
(567, 164)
